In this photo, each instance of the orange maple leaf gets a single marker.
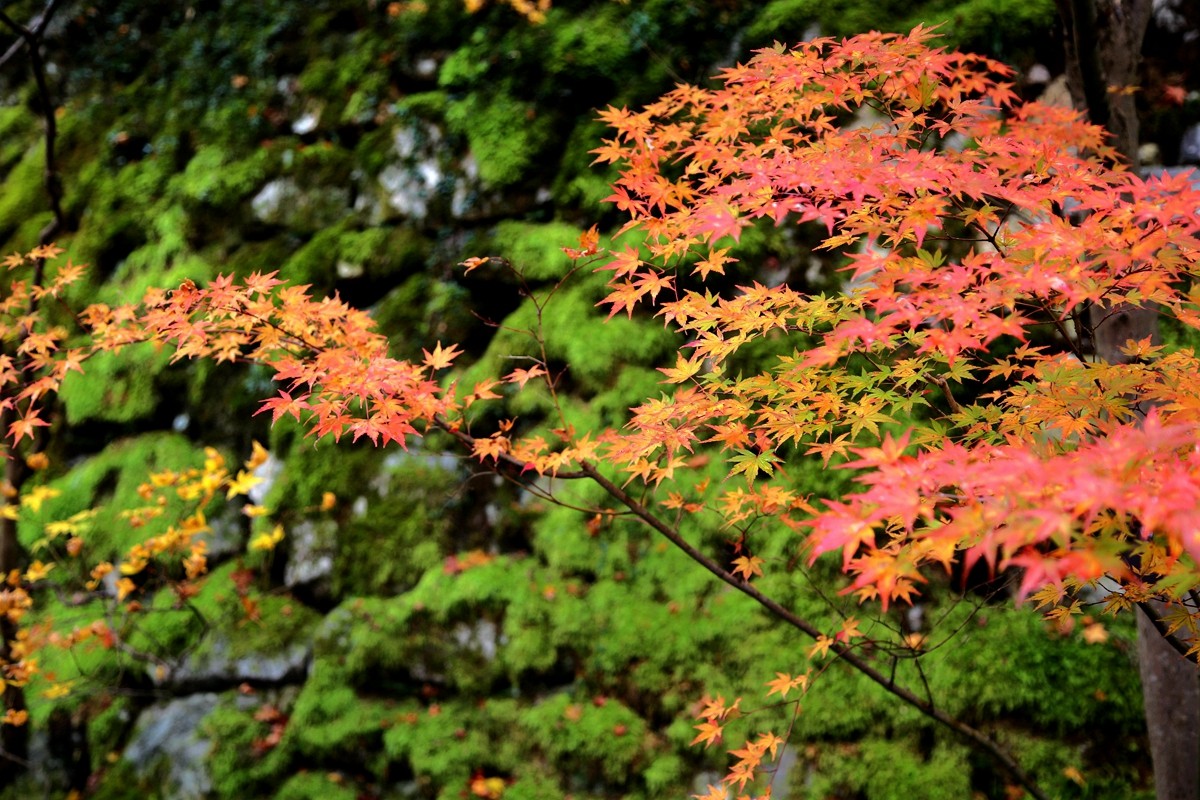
(523, 376)
(441, 357)
(710, 733)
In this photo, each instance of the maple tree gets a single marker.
(954, 375)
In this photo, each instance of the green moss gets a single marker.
(887, 770)
(216, 178)
(17, 126)
(315, 786)
(394, 646)
(315, 263)
(421, 310)
(22, 193)
(423, 105)
(217, 614)
(535, 250)
(311, 470)
(578, 182)
(506, 135)
(445, 748)
(402, 534)
(237, 768)
(107, 727)
(331, 722)
(589, 44)
(998, 27)
(118, 387)
(600, 739)
(119, 781)
(383, 253)
(350, 82)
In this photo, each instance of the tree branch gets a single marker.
(978, 738)
(1163, 629)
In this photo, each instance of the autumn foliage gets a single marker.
(984, 240)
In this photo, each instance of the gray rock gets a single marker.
(307, 123)
(312, 548)
(1189, 146)
(482, 637)
(216, 665)
(285, 203)
(169, 734)
(269, 472)
(425, 177)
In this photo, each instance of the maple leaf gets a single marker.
(258, 456)
(523, 376)
(750, 464)
(46, 251)
(473, 263)
(441, 358)
(709, 733)
(683, 369)
(282, 404)
(820, 647)
(747, 566)
(784, 683)
(715, 262)
(492, 447)
(26, 426)
(267, 541)
(242, 484)
(587, 243)
(39, 494)
(38, 571)
(849, 631)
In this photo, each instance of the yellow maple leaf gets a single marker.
(37, 571)
(784, 683)
(242, 484)
(57, 690)
(124, 587)
(683, 370)
(258, 456)
(37, 496)
(820, 647)
(747, 566)
(46, 251)
(267, 541)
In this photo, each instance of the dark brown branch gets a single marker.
(1164, 630)
(32, 37)
(976, 737)
(14, 739)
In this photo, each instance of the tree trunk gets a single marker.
(14, 739)
(1104, 44)
(1172, 697)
